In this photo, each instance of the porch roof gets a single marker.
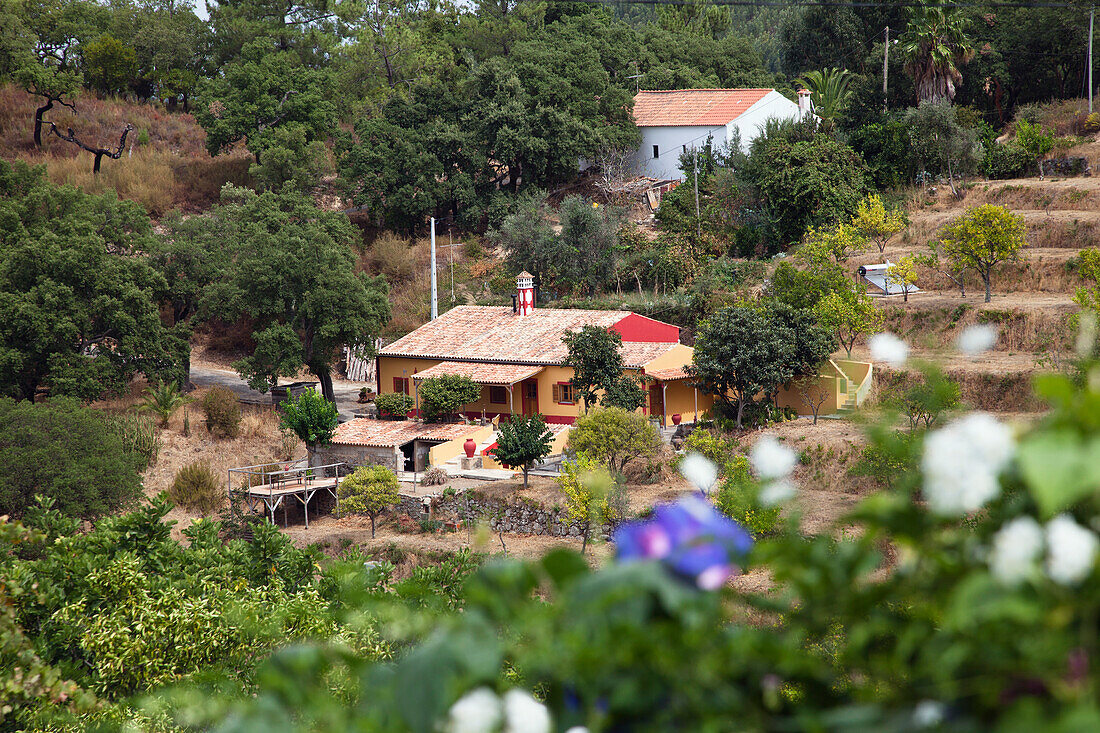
(667, 375)
(493, 374)
(394, 433)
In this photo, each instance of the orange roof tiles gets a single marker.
(492, 333)
(386, 433)
(497, 374)
(667, 375)
(686, 107)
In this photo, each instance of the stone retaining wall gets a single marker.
(518, 517)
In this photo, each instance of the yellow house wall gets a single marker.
(676, 357)
(792, 397)
(680, 399)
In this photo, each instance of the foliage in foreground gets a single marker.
(979, 618)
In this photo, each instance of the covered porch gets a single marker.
(672, 399)
(506, 389)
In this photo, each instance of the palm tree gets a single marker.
(934, 46)
(829, 92)
(162, 400)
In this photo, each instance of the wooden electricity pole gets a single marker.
(886, 71)
(698, 221)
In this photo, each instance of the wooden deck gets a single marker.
(262, 487)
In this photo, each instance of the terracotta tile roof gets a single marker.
(387, 433)
(667, 375)
(676, 107)
(497, 374)
(490, 333)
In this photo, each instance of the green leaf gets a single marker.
(1059, 468)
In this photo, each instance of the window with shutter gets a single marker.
(498, 395)
(557, 394)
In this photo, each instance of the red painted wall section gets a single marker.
(639, 328)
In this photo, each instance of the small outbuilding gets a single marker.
(878, 280)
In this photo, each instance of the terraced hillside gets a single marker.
(1032, 303)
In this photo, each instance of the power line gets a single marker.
(836, 3)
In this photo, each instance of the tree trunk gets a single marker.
(38, 121)
(988, 295)
(905, 295)
(324, 375)
(525, 470)
(584, 537)
(372, 526)
(95, 166)
(740, 411)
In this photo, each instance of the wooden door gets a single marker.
(530, 392)
(657, 401)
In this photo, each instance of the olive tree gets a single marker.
(522, 442)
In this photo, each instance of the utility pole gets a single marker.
(1092, 18)
(698, 221)
(885, 70)
(451, 243)
(435, 305)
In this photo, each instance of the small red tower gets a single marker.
(525, 292)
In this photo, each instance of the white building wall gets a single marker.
(671, 141)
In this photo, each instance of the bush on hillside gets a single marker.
(443, 396)
(1007, 160)
(223, 412)
(196, 487)
(614, 436)
(434, 476)
(138, 434)
(66, 452)
(394, 405)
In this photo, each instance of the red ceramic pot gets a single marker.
(469, 446)
(676, 419)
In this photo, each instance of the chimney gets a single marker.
(525, 292)
(805, 107)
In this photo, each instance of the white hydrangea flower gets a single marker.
(478, 711)
(777, 492)
(961, 463)
(770, 459)
(927, 713)
(976, 339)
(700, 472)
(1016, 546)
(1071, 550)
(524, 714)
(888, 348)
(577, 729)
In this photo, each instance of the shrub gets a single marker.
(614, 436)
(162, 400)
(443, 396)
(434, 476)
(737, 499)
(223, 412)
(1007, 160)
(394, 405)
(66, 452)
(138, 434)
(371, 490)
(311, 417)
(196, 487)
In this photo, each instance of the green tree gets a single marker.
(78, 301)
(311, 417)
(935, 44)
(527, 240)
(941, 143)
(803, 289)
(816, 182)
(293, 273)
(371, 490)
(67, 453)
(742, 352)
(982, 238)
(266, 89)
(614, 436)
(822, 247)
(443, 396)
(829, 92)
(523, 442)
(595, 355)
(953, 269)
(585, 255)
(394, 404)
(877, 223)
(1088, 267)
(849, 314)
(1035, 140)
(109, 65)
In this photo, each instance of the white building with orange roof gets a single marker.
(675, 121)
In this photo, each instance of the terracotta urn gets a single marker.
(469, 446)
(676, 419)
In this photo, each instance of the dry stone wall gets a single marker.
(515, 517)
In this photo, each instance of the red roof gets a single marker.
(687, 107)
(390, 433)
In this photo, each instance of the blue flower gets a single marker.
(690, 537)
